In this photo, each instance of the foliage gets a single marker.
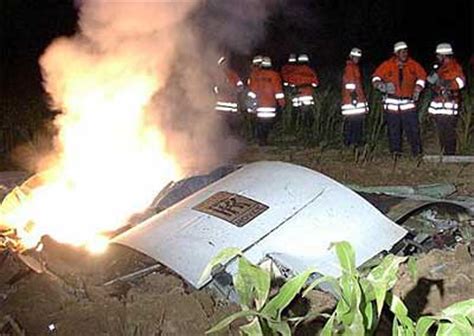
(253, 287)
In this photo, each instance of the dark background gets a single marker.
(325, 29)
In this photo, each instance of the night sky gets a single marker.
(326, 29)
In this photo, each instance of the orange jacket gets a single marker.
(226, 86)
(286, 71)
(451, 76)
(352, 83)
(412, 74)
(266, 84)
(303, 77)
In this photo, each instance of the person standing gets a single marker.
(226, 89)
(266, 88)
(354, 103)
(447, 80)
(401, 79)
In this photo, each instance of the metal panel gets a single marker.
(306, 211)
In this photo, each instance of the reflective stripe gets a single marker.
(460, 82)
(354, 111)
(226, 104)
(448, 105)
(351, 106)
(376, 78)
(285, 83)
(399, 107)
(420, 82)
(266, 109)
(350, 86)
(252, 94)
(314, 85)
(279, 95)
(432, 110)
(240, 83)
(305, 98)
(407, 106)
(225, 109)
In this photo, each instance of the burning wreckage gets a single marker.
(278, 214)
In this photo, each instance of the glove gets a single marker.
(416, 95)
(432, 78)
(380, 86)
(390, 87)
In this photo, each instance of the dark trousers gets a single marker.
(353, 130)
(403, 122)
(262, 129)
(446, 126)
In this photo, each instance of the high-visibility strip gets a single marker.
(225, 109)
(305, 98)
(251, 94)
(420, 82)
(443, 111)
(226, 104)
(350, 86)
(352, 106)
(376, 78)
(405, 107)
(266, 109)
(240, 83)
(279, 95)
(266, 115)
(354, 111)
(449, 105)
(314, 85)
(285, 83)
(460, 82)
(397, 101)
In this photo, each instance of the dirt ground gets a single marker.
(77, 302)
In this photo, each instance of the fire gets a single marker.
(109, 165)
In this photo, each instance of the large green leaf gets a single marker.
(281, 327)
(252, 329)
(286, 294)
(447, 328)
(222, 257)
(398, 308)
(424, 324)
(463, 308)
(346, 255)
(350, 303)
(383, 278)
(252, 284)
(229, 319)
(329, 326)
(331, 280)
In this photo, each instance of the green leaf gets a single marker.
(346, 255)
(229, 319)
(369, 315)
(252, 284)
(318, 281)
(252, 329)
(463, 308)
(412, 268)
(398, 308)
(329, 326)
(383, 278)
(286, 294)
(281, 327)
(222, 257)
(447, 328)
(424, 324)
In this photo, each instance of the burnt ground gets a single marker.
(74, 300)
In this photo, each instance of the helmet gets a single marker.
(292, 58)
(355, 52)
(257, 60)
(399, 46)
(267, 62)
(444, 49)
(221, 60)
(303, 58)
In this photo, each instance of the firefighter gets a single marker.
(266, 88)
(226, 91)
(354, 104)
(401, 80)
(446, 79)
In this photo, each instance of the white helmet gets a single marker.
(266, 62)
(303, 58)
(257, 60)
(292, 58)
(356, 52)
(399, 46)
(444, 49)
